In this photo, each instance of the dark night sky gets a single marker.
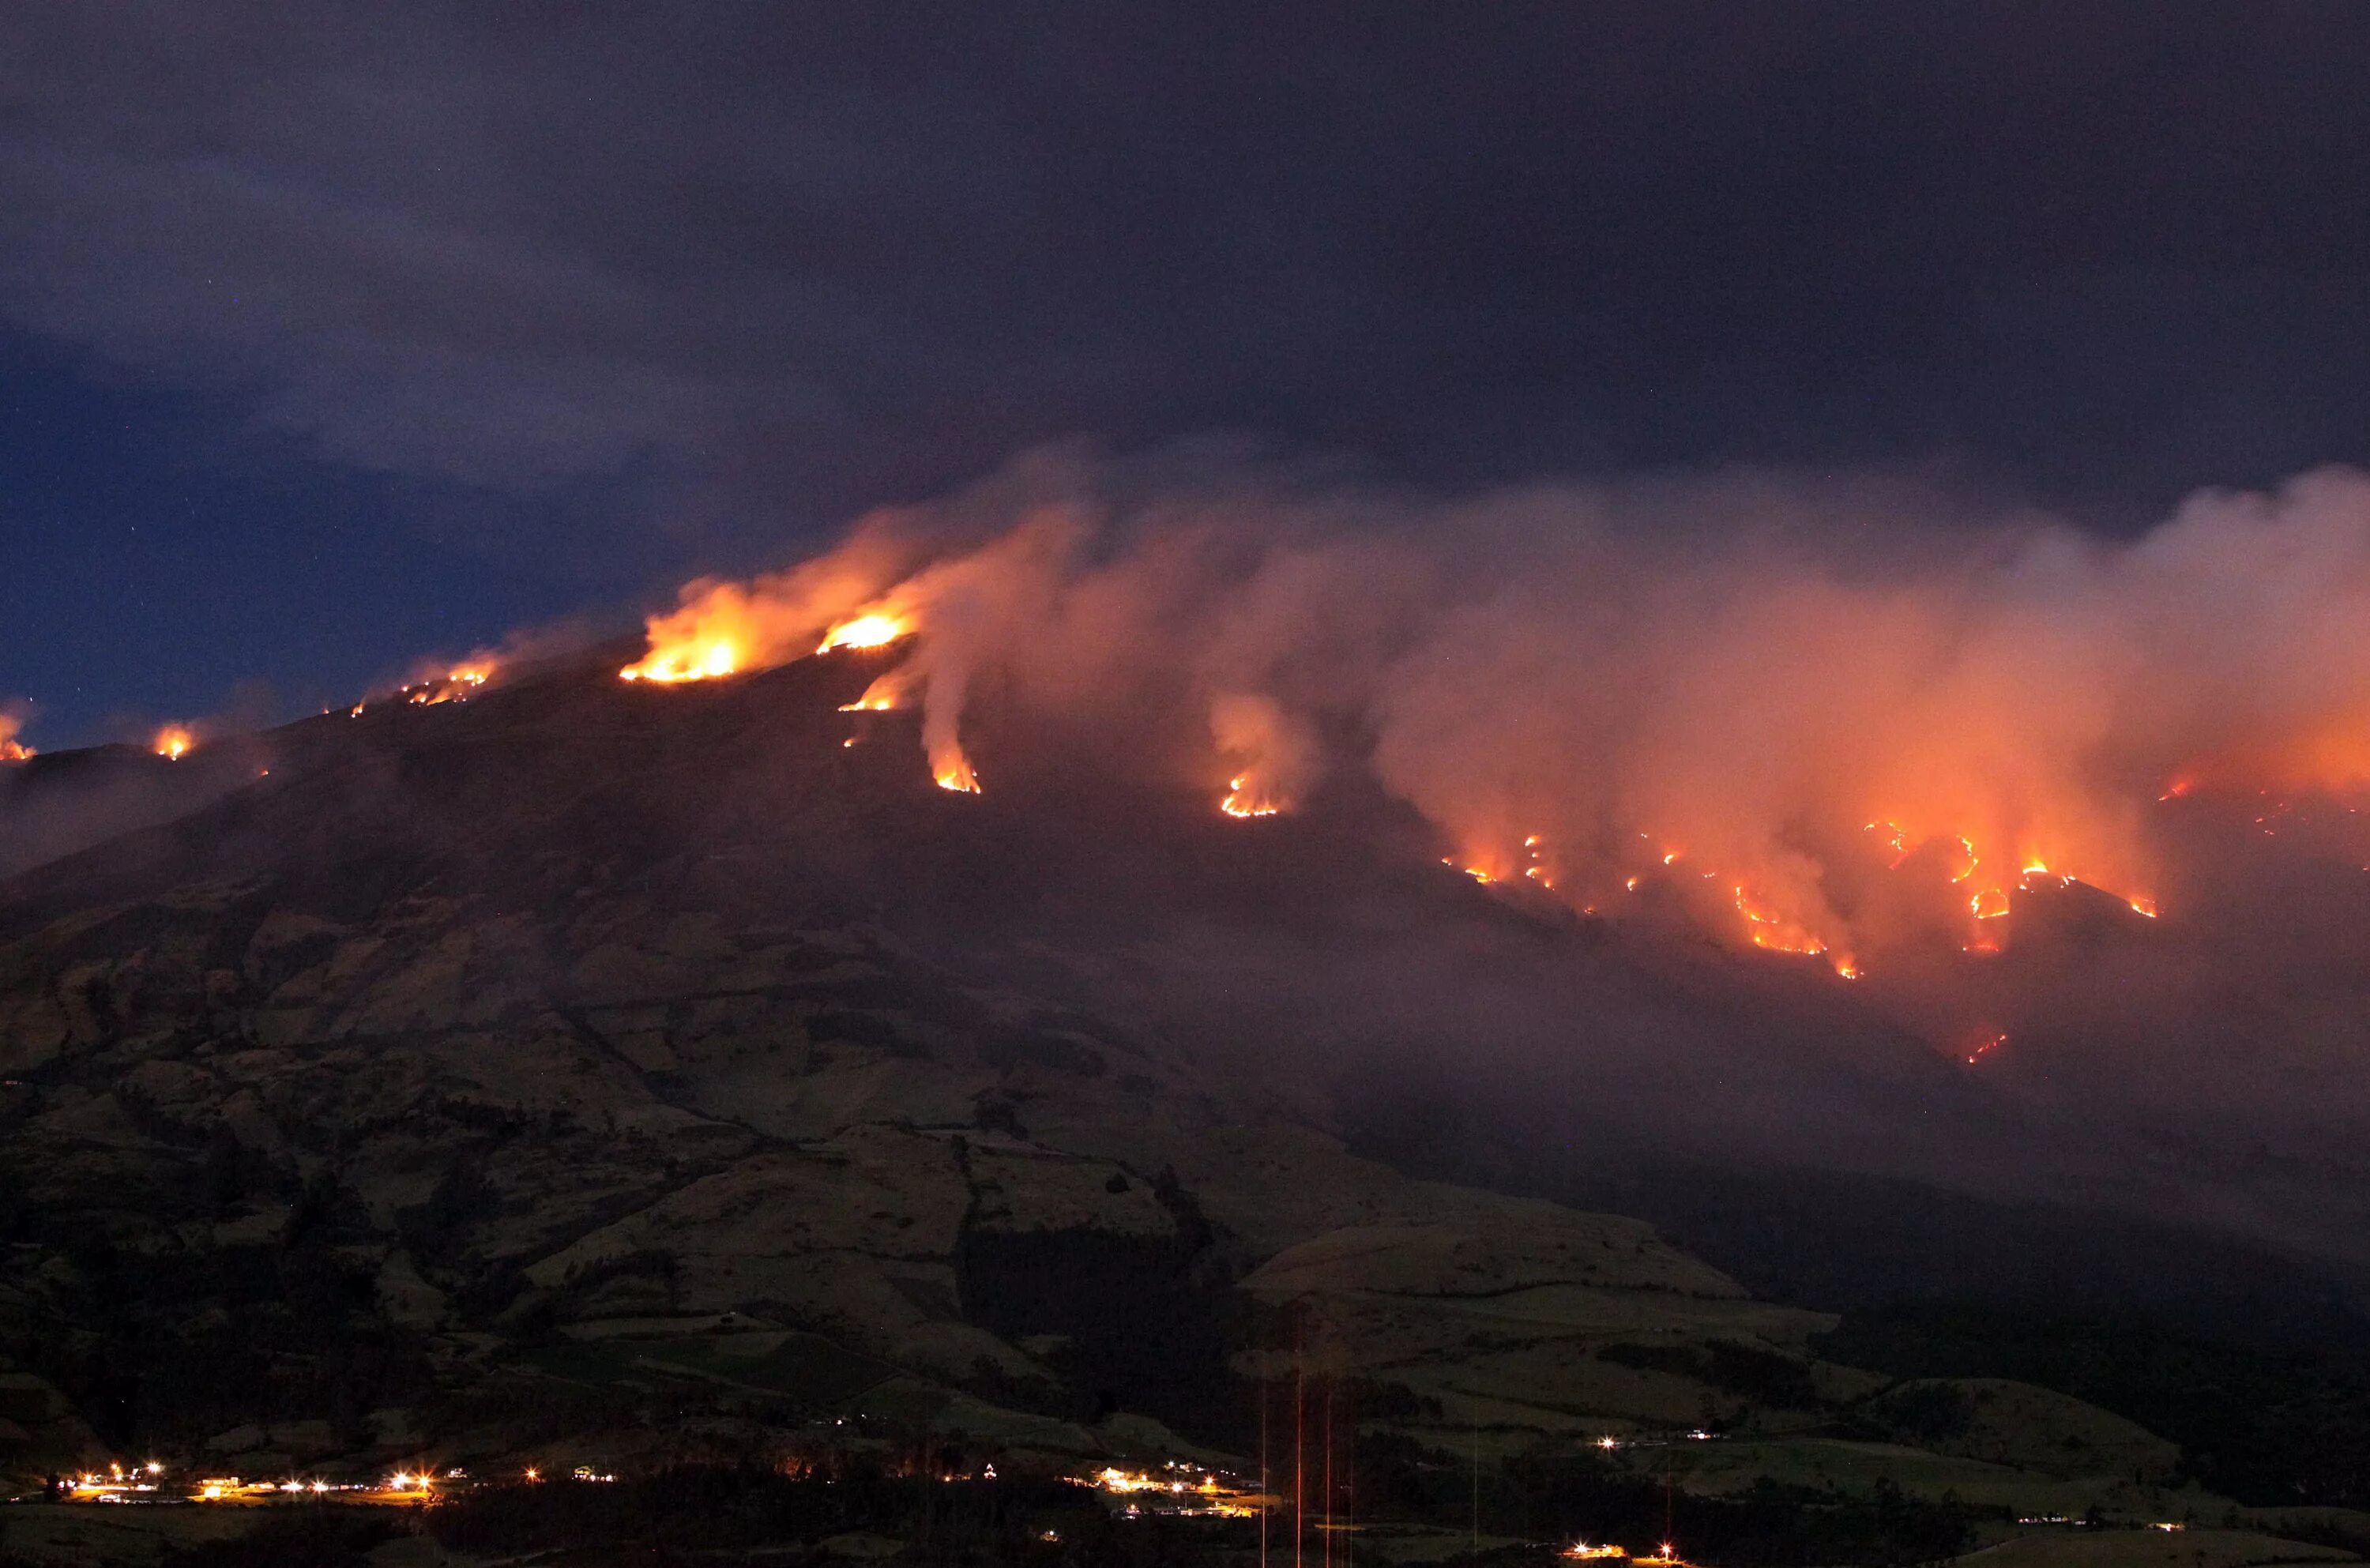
(334, 334)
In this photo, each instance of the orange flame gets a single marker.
(455, 685)
(886, 694)
(669, 665)
(1241, 802)
(174, 742)
(10, 749)
(876, 629)
(1768, 928)
(723, 628)
(1273, 756)
(953, 772)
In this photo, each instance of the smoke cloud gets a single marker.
(1997, 775)
(1769, 688)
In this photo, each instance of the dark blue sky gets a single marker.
(330, 336)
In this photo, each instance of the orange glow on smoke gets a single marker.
(1270, 757)
(954, 772)
(10, 749)
(173, 742)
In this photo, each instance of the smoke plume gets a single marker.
(1819, 721)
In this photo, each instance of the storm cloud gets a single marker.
(797, 261)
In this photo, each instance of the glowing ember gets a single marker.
(1984, 1047)
(173, 742)
(454, 686)
(956, 774)
(875, 630)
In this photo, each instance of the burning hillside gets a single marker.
(1812, 746)
(1771, 824)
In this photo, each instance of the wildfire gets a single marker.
(954, 773)
(11, 750)
(1895, 839)
(1272, 757)
(174, 742)
(1241, 802)
(874, 631)
(456, 685)
(1970, 740)
(1984, 1047)
(1770, 929)
(668, 665)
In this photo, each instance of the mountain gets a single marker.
(579, 1071)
